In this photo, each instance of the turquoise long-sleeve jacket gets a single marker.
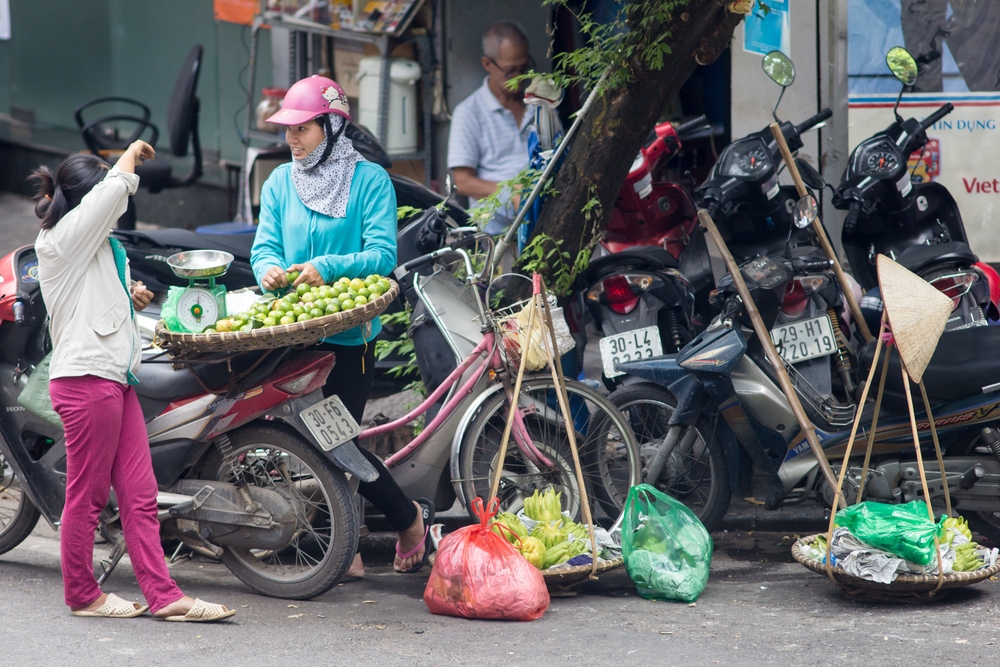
(357, 245)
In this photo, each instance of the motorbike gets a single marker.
(753, 211)
(641, 285)
(241, 474)
(727, 400)
(917, 224)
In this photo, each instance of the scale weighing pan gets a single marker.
(200, 263)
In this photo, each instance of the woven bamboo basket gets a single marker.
(907, 588)
(282, 335)
(565, 580)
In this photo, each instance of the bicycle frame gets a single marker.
(491, 362)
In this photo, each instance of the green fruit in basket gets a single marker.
(385, 285)
(360, 300)
(346, 304)
(304, 317)
(316, 312)
(357, 283)
(292, 298)
(335, 302)
(365, 292)
(351, 292)
(336, 290)
(287, 319)
(297, 310)
(371, 280)
(325, 292)
(308, 297)
(269, 322)
(332, 309)
(302, 288)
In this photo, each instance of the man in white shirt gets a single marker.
(488, 142)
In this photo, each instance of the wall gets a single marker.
(64, 53)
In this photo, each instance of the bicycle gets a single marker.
(460, 445)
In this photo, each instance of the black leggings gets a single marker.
(352, 384)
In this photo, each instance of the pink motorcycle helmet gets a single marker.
(309, 98)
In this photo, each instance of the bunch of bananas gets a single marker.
(966, 558)
(544, 507)
(966, 554)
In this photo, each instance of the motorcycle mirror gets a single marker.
(780, 69)
(903, 67)
(805, 211)
(809, 175)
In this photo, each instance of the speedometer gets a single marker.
(753, 160)
(881, 162)
(747, 158)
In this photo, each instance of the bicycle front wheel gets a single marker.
(609, 456)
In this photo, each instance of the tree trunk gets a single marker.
(611, 135)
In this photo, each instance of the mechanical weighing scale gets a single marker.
(200, 304)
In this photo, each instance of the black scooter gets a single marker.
(917, 224)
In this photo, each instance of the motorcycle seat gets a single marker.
(919, 258)
(239, 245)
(965, 361)
(161, 382)
(644, 257)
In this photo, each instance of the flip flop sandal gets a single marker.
(202, 612)
(427, 514)
(115, 607)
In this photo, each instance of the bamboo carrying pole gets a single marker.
(845, 286)
(772, 354)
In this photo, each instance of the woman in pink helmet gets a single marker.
(328, 214)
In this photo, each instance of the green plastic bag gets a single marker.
(903, 530)
(35, 395)
(666, 548)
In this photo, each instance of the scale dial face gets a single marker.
(197, 308)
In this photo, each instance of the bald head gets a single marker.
(500, 32)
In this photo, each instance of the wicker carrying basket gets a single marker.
(910, 588)
(564, 580)
(282, 335)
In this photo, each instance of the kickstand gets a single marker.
(108, 564)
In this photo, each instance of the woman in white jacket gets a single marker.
(85, 282)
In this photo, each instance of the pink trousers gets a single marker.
(107, 446)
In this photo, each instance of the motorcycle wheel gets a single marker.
(327, 536)
(609, 458)
(699, 477)
(18, 515)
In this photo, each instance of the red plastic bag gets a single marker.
(478, 574)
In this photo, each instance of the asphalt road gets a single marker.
(758, 609)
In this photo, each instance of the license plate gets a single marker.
(629, 346)
(804, 340)
(330, 423)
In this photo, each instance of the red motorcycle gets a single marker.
(642, 285)
(241, 474)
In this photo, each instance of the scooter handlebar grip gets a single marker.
(815, 120)
(945, 109)
(811, 267)
(691, 126)
(731, 311)
(19, 315)
(851, 221)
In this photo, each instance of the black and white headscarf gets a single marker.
(324, 185)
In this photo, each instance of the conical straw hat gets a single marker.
(917, 313)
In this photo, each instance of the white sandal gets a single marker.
(202, 611)
(115, 607)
